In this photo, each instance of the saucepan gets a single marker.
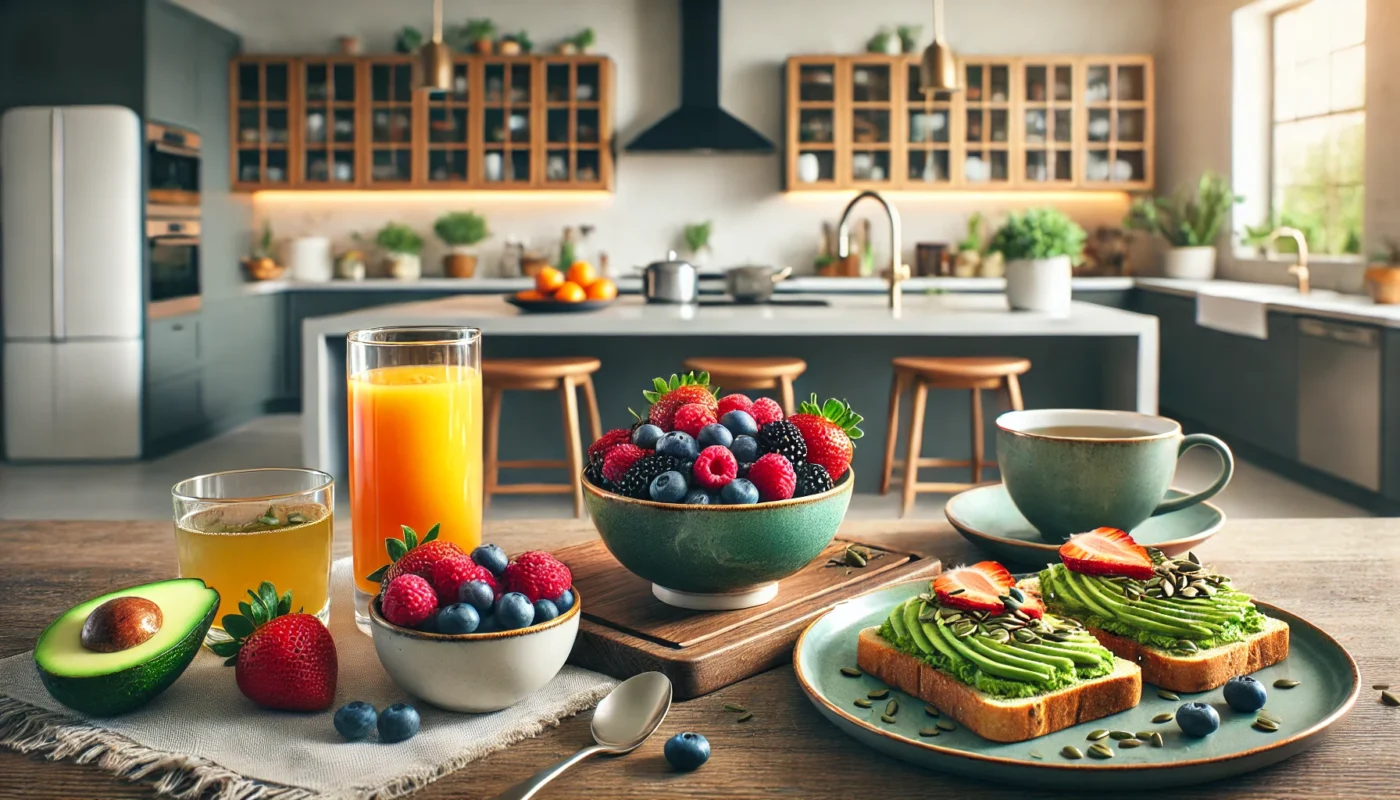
(753, 284)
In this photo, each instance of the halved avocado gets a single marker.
(106, 684)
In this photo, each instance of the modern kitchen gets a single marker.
(917, 220)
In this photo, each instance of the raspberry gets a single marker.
(408, 601)
(449, 575)
(733, 402)
(608, 441)
(766, 410)
(538, 576)
(691, 418)
(619, 460)
(715, 467)
(774, 476)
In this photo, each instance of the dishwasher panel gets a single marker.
(1339, 400)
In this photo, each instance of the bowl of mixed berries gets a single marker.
(715, 498)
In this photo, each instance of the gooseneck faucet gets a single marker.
(899, 271)
(1300, 268)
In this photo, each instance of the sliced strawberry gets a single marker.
(1107, 551)
(975, 588)
(1032, 606)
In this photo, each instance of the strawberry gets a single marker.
(681, 390)
(774, 477)
(692, 417)
(979, 587)
(619, 460)
(608, 441)
(829, 430)
(538, 576)
(412, 556)
(765, 410)
(408, 600)
(733, 402)
(281, 660)
(1107, 551)
(450, 573)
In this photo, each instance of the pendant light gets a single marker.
(938, 70)
(435, 58)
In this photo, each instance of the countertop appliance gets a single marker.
(670, 281)
(70, 194)
(1339, 400)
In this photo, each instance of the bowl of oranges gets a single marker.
(580, 288)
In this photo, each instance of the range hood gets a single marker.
(699, 124)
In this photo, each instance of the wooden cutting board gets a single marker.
(625, 630)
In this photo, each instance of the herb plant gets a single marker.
(461, 228)
(697, 235)
(1186, 219)
(397, 238)
(1038, 233)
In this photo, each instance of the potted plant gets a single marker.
(401, 246)
(578, 43)
(909, 37)
(408, 40)
(1040, 246)
(1383, 274)
(260, 266)
(480, 35)
(460, 230)
(697, 240)
(1190, 223)
(969, 254)
(883, 42)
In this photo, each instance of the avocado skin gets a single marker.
(127, 690)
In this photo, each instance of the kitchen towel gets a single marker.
(202, 738)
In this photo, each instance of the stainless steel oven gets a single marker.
(173, 254)
(172, 171)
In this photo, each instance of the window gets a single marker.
(1319, 120)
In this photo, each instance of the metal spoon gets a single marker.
(623, 720)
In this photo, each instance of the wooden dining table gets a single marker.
(1340, 574)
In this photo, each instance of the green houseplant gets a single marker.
(460, 230)
(479, 35)
(697, 239)
(1189, 221)
(401, 245)
(1041, 247)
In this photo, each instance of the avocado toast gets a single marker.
(987, 654)
(1187, 626)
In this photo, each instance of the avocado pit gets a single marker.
(121, 624)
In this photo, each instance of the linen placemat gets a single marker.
(202, 738)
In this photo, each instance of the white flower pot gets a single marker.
(405, 266)
(1039, 285)
(1189, 263)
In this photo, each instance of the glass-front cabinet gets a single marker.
(327, 122)
(575, 127)
(811, 90)
(928, 131)
(261, 93)
(391, 133)
(1118, 100)
(507, 122)
(1047, 122)
(449, 130)
(872, 120)
(987, 123)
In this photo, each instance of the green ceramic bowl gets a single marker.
(717, 557)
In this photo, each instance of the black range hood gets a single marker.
(699, 124)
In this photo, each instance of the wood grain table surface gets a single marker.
(1340, 574)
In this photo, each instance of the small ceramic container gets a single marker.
(477, 672)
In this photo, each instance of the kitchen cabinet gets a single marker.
(172, 346)
(1339, 400)
(172, 54)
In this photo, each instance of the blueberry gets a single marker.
(458, 618)
(514, 610)
(738, 492)
(355, 720)
(1245, 694)
(687, 751)
(697, 497)
(429, 625)
(744, 447)
(645, 436)
(715, 434)
(739, 423)
(565, 601)
(545, 610)
(1197, 719)
(397, 723)
(491, 557)
(488, 624)
(678, 444)
(478, 595)
(668, 487)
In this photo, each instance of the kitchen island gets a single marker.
(1097, 357)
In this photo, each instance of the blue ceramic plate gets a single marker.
(988, 518)
(1328, 689)
(555, 306)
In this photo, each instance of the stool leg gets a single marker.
(892, 432)
(785, 388)
(493, 441)
(1013, 392)
(976, 435)
(916, 443)
(571, 435)
(590, 399)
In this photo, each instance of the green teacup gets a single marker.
(1073, 470)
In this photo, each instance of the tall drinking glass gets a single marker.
(415, 441)
(236, 529)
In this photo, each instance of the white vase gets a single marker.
(1041, 284)
(309, 258)
(405, 266)
(1189, 263)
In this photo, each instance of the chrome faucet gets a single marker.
(1300, 268)
(899, 271)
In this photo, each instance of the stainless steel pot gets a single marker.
(753, 284)
(671, 281)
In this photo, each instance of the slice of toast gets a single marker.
(994, 718)
(1202, 671)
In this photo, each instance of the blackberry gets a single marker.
(593, 473)
(637, 482)
(784, 438)
(812, 479)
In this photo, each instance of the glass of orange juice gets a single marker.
(415, 442)
(236, 529)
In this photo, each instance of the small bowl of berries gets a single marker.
(476, 632)
(714, 499)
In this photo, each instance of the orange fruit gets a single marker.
(582, 273)
(529, 295)
(602, 289)
(570, 292)
(549, 280)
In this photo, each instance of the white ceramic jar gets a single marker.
(1041, 284)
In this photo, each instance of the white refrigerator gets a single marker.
(71, 264)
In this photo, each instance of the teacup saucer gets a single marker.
(988, 518)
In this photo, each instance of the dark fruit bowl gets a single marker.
(556, 306)
(717, 557)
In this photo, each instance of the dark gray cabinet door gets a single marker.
(172, 47)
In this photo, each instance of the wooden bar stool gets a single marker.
(499, 375)
(753, 373)
(921, 374)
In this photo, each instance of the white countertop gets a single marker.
(1318, 303)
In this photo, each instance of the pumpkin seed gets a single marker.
(1128, 744)
(1071, 752)
(1157, 740)
(1186, 566)
(1286, 683)
(1000, 636)
(734, 708)
(1191, 556)
(855, 559)
(892, 707)
(1016, 594)
(1164, 717)
(887, 719)
(947, 724)
(956, 592)
(1185, 645)
(1166, 695)
(1268, 726)
(964, 629)
(850, 672)
(1026, 637)
(929, 731)
(862, 702)
(1380, 687)
(1189, 592)
(1264, 713)
(745, 717)
(1097, 734)
(878, 694)
(1100, 750)
(1121, 736)
(1390, 698)
(1036, 756)
(931, 711)
(1167, 589)
(1145, 735)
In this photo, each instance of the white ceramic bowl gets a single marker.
(475, 672)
